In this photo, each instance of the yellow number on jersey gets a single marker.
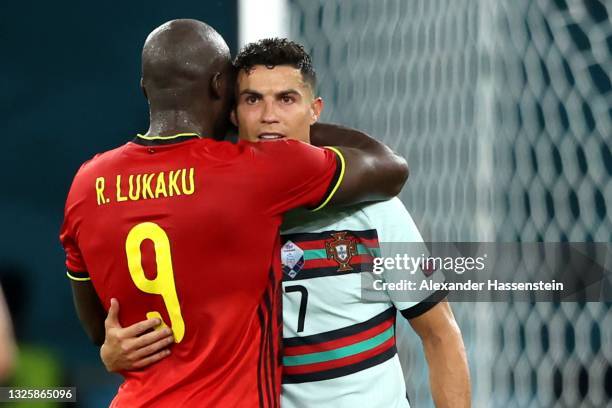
(163, 284)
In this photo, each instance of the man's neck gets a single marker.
(168, 123)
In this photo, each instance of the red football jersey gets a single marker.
(189, 232)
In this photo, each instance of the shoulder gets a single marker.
(284, 147)
(91, 165)
(356, 217)
(393, 221)
(327, 219)
(221, 149)
(384, 209)
(100, 159)
(290, 159)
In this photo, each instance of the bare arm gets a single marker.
(89, 309)
(373, 171)
(8, 347)
(449, 375)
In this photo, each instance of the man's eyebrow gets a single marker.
(288, 92)
(248, 91)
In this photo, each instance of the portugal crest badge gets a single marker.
(341, 249)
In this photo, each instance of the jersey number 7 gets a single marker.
(163, 284)
(303, 304)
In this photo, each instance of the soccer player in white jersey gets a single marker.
(339, 349)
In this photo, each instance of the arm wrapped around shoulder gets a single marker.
(373, 171)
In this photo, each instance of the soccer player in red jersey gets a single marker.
(184, 230)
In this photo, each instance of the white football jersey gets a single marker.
(338, 348)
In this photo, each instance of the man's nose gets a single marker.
(269, 113)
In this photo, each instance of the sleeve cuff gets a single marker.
(78, 276)
(336, 179)
(425, 305)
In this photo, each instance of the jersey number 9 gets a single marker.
(163, 284)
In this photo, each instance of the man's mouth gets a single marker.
(270, 136)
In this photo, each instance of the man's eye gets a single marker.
(287, 99)
(251, 99)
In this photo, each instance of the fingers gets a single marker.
(151, 359)
(149, 338)
(152, 348)
(138, 328)
(112, 319)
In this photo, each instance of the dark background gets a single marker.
(69, 80)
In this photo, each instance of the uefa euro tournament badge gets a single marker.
(292, 258)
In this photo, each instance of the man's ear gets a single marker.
(316, 109)
(233, 117)
(216, 84)
(144, 90)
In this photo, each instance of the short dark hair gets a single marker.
(277, 51)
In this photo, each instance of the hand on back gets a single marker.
(133, 347)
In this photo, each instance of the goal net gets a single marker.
(503, 110)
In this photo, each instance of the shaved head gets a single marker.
(179, 52)
(186, 64)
